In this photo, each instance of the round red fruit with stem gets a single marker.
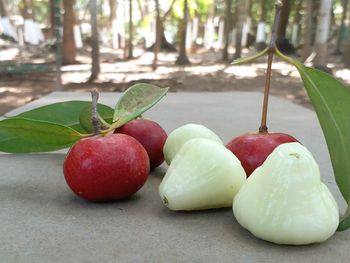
(151, 135)
(252, 149)
(106, 168)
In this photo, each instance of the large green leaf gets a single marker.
(19, 135)
(135, 101)
(331, 100)
(65, 113)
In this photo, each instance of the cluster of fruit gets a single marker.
(270, 180)
(282, 201)
(112, 167)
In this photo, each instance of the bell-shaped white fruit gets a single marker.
(285, 202)
(203, 175)
(179, 136)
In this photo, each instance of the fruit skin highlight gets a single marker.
(151, 135)
(106, 168)
(182, 134)
(284, 200)
(252, 149)
(203, 175)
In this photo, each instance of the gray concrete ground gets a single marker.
(42, 221)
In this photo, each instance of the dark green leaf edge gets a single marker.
(345, 219)
(45, 146)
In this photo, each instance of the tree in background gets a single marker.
(158, 40)
(282, 42)
(164, 43)
(322, 34)
(95, 53)
(51, 32)
(241, 8)
(227, 29)
(342, 28)
(5, 24)
(131, 33)
(69, 49)
(261, 30)
(296, 22)
(306, 50)
(182, 59)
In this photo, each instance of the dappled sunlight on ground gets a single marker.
(207, 72)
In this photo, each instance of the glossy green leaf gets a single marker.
(331, 100)
(65, 113)
(135, 101)
(19, 135)
(105, 115)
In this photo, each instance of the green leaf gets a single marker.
(135, 101)
(19, 135)
(331, 100)
(241, 61)
(105, 115)
(65, 113)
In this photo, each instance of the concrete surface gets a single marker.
(42, 221)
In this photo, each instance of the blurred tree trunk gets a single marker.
(346, 54)
(182, 58)
(342, 27)
(158, 40)
(131, 35)
(296, 23)
(307, 30)
(113, 22)
(322, 34)
(261, 33)
(164, 42)
(247, 23)
(3, 12)
(95, 53)
(282, 26)
(239, 27)
(281, 41)
(227, 29)
(209, 30)
(52, 18)
(32, 9)
(69, 49)
(26, 11)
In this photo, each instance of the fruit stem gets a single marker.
(271, 50)
(94, 117)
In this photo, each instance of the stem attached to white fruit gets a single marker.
(271, 51)
(94, 117)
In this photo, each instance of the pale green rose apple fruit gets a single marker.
(183, 134)
(203, 175)
(285, 202)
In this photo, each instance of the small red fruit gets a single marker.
(252, 149)
(106, 168)
(151, 135)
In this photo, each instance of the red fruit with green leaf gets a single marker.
(106, 168)
(151, 135)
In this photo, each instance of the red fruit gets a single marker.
(106, 168)
(151, 135)
(252, 149)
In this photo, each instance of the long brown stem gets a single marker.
(272, 46)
